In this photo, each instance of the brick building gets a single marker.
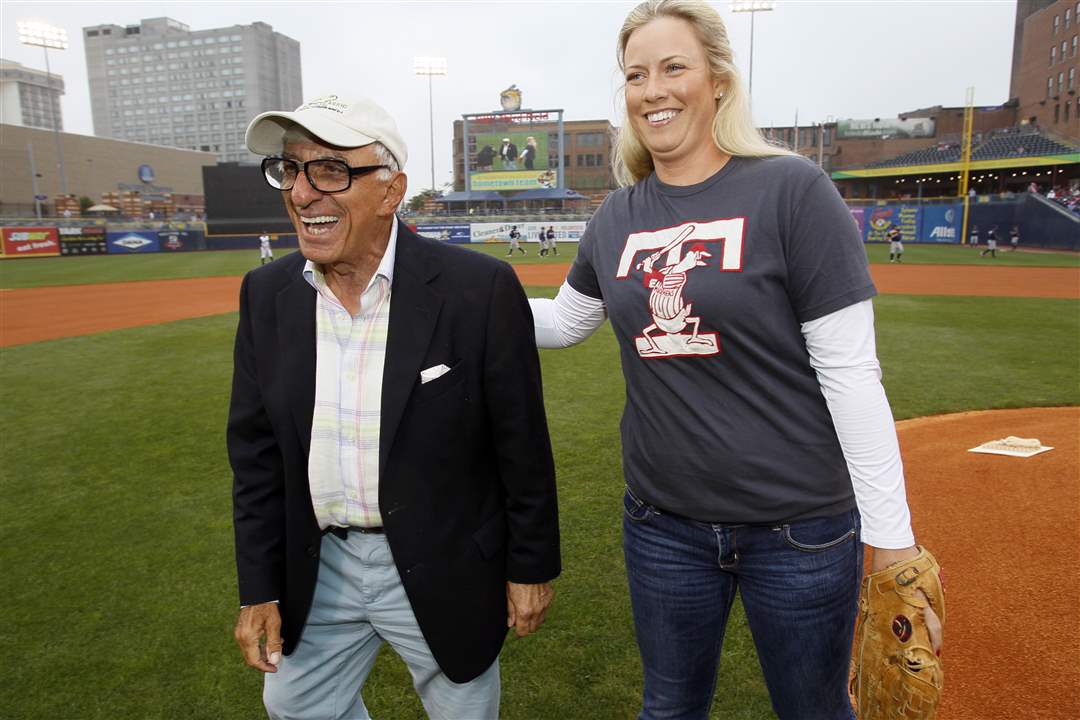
(1046, 65)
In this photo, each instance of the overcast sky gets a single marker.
(839, 58)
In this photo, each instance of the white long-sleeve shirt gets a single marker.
(843, 355)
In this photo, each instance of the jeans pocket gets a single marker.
(819, 534)
(635, 509)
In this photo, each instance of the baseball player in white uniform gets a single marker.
(515, 241)
(991, 243)
(896, 245)
(266, 254)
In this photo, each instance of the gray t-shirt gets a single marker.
(706, 286)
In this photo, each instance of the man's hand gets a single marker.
(256, 623)
(882, 559)
(526, 606)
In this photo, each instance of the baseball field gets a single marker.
(115, 510)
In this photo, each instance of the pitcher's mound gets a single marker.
(1006, 531)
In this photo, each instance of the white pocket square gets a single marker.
(431, 373)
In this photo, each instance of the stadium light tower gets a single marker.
(753, 7)
(45, 36)
(430, 66)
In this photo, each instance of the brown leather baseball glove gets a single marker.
(895, 673)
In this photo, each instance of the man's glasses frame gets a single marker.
(274, 167)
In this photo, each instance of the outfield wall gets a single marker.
(76, 239)
(1042, 224)
(250, 241)
(489, 232)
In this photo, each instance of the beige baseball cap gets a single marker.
(344, 122)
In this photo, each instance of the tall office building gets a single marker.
(30, 97)
(161, 82)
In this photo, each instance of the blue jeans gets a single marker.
(360, 604)
(799, 584)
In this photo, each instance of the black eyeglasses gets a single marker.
(328, 176)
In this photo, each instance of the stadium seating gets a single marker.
(996, 145)
(941, 153)
(1009, 146)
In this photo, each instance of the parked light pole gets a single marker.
(33, 179)
(46, 36)
(753, 7)
(430, 66)
(821, 140)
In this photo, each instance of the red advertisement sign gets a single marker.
(30, 241)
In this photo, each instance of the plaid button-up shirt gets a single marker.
(343, 467)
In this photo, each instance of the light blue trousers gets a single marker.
(360, 603)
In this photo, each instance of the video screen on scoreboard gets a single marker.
(510, 161)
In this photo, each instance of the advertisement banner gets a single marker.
(564, 231)
(859, 216)
(513, 180)
(941, 223)
(511, 161)
(179, 240)
(83, 240)
(885, 128)
(133, 241)
(570, 231)
(495, 232)
(530, 231)
(454, 233)
(30, 242)
(882, 219)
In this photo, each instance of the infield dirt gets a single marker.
(1007, 534)
(1005, 530)
(36, 314)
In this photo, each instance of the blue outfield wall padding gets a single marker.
(1042, 223)
(250, 242)
(941, 223)
(448, 232)
(989, 215)
(133, 241)
(1045, 225)
(181, 240)
(938, 224)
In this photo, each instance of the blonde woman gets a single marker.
(528, 155)
(759, 450)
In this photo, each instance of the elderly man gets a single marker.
(393, 479)
(509, 153)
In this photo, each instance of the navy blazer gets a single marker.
(466, 477)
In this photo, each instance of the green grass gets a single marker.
(941, 355)
(567, 253)
(40, 272)
(116, 541)
(89, 269)
(919, 254)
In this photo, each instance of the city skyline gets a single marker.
(822, 60)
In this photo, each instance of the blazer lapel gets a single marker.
(296, 342)
(414, 310)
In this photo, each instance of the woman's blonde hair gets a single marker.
(733, 126)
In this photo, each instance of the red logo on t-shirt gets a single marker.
(675, 331)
